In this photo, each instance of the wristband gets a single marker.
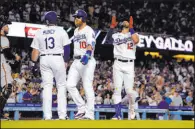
(132, 31)
(88, 53)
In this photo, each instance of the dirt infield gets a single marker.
(96, 124)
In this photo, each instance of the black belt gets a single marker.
(77, 57)
(124, 60)
(51, 54)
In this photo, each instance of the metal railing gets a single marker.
(16, 108)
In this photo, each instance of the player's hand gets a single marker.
(113, 23)
(17, 57)
(131, 22)
(84, 59)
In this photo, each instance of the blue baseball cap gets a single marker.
(51, 17)
(80, 13)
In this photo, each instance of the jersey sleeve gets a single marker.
(4, 43)
(35, 43)
(65, 38)
(114, 37)
(91, 38)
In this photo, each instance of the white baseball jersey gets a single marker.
(124, 46)
(82, 38)
(50, 40)
(4, 44)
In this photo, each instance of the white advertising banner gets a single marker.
(19, 29)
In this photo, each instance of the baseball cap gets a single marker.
(50, 17)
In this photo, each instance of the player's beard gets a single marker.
(125, 24)
(78, 23)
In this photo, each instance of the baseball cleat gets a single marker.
(116, 117)
(132, 114)
(78, 115)
(85, 118)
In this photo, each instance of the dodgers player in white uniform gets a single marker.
(49, 43)
(123, 69)
(6, 78)
(83, 66)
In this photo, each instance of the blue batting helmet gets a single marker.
(82, 14)
(51, 17)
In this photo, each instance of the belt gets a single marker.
(51, 55)
(124, 60)
(77, 57)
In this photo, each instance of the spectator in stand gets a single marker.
(98, 99)
(21, 80)
(189, 98)
(107, 100)
(27, 98)
(162, 105)
(176, 99)
(19, 94)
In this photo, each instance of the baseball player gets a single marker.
(83, 66)
(49, 43)
(6, 78)
(124, 54)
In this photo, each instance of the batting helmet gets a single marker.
(82, 14)
(51, 17)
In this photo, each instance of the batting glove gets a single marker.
(113, 23)
(131, 22)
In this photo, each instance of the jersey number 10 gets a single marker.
(49, 40)
(83, 45)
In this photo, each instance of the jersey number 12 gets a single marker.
(49, 40)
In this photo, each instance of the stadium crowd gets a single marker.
(154, 79)
(164, 17)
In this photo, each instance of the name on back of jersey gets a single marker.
(51, 31)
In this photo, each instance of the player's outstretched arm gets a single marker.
(109, 39)
(134, 36)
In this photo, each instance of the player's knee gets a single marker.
(130, 93)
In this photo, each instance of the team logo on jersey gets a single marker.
(122, 40)
(79, 37)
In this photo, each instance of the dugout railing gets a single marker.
(144, 110)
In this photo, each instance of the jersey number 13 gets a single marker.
(49, 43)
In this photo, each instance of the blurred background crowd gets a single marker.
(155, 78)
(165, 17)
